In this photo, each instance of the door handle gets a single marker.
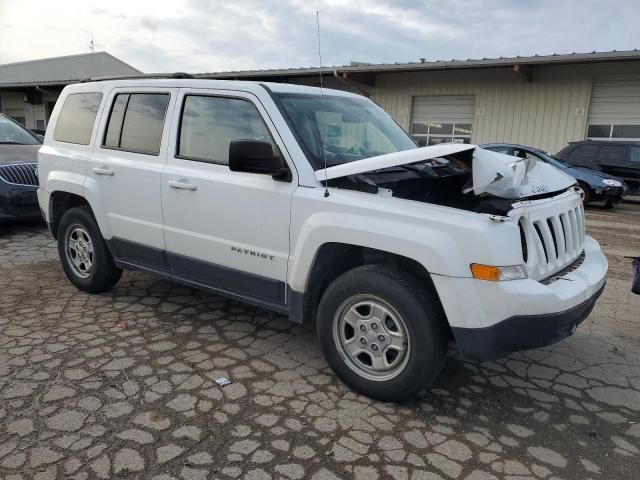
(103, 170)
(182, 184)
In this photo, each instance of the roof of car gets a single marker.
(180, 80)
(605, 142)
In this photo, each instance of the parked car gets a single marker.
(317, 205)
(18, 171)
(619, 158)
(596, 186)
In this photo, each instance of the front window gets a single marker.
(13, 134)
(341, 129)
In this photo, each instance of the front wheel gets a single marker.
(84, 255)
(381, 331)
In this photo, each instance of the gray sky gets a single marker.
(209, 35)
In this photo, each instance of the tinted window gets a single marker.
(504, 150)
(635, 155)
(599, 131)
(136, 122)
(76, 119)
(584, 151)
(112, 137)
(613, 152)
(626, 131)
(209, 124)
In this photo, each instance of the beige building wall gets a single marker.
(547, 112)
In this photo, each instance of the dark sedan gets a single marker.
(596, 186)
(18, 171)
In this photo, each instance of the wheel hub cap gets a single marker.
(79, 251)
(372, 337)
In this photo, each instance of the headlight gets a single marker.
(498, 274)
(612, 183)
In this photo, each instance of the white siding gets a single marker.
(440, 108)
(615, 100)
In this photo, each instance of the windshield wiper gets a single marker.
(12, 143)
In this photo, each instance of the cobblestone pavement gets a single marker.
(122, 385)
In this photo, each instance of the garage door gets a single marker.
(615, 108)
(442, 118)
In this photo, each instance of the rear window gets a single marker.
(136, 122)
(76, 119)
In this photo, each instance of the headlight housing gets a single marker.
(498, 274)
(611, 183)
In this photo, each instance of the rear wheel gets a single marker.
(381, 332)
(84, 255)
(585, 192)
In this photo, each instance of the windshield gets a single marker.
(557, 161)
(13, 134)
(350, 128)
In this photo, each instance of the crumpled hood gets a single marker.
(11, 154)
(493, 173)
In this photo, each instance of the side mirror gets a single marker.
(256, 156)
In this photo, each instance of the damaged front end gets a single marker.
(458, 176)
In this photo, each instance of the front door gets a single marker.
(124, 174)
(225, 230)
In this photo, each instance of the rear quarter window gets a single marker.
(77, 117)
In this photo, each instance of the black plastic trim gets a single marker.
(238, 285)
(225, 278)
(137, 255)
(522, 332)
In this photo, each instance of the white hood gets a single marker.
(493, 173)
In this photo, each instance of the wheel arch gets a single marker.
(61, 201)
(333, 259)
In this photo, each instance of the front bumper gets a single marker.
(492, 319)
(608, 194)
(522, 332)
(18, 202)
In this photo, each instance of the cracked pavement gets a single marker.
(122, 385)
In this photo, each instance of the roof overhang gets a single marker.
(519, 64)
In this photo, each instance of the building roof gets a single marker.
(361, 67)
(62, 70)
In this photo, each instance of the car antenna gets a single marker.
(323, 136)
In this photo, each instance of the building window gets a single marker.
(434, 133)
(610, 131)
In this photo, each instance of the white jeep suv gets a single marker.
(318, 206)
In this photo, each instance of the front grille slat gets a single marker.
(552, 234)
(20, 174)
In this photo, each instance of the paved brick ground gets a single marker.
(84, 397)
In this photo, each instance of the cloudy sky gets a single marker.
(210, 35)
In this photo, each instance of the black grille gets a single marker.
(20, 174)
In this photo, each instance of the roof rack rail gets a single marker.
(138, 77)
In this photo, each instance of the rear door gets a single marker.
(123, 175)
(614, 159)
(225, 230)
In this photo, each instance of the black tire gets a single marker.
(420, 313)
(587, 192)
(103, 274)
